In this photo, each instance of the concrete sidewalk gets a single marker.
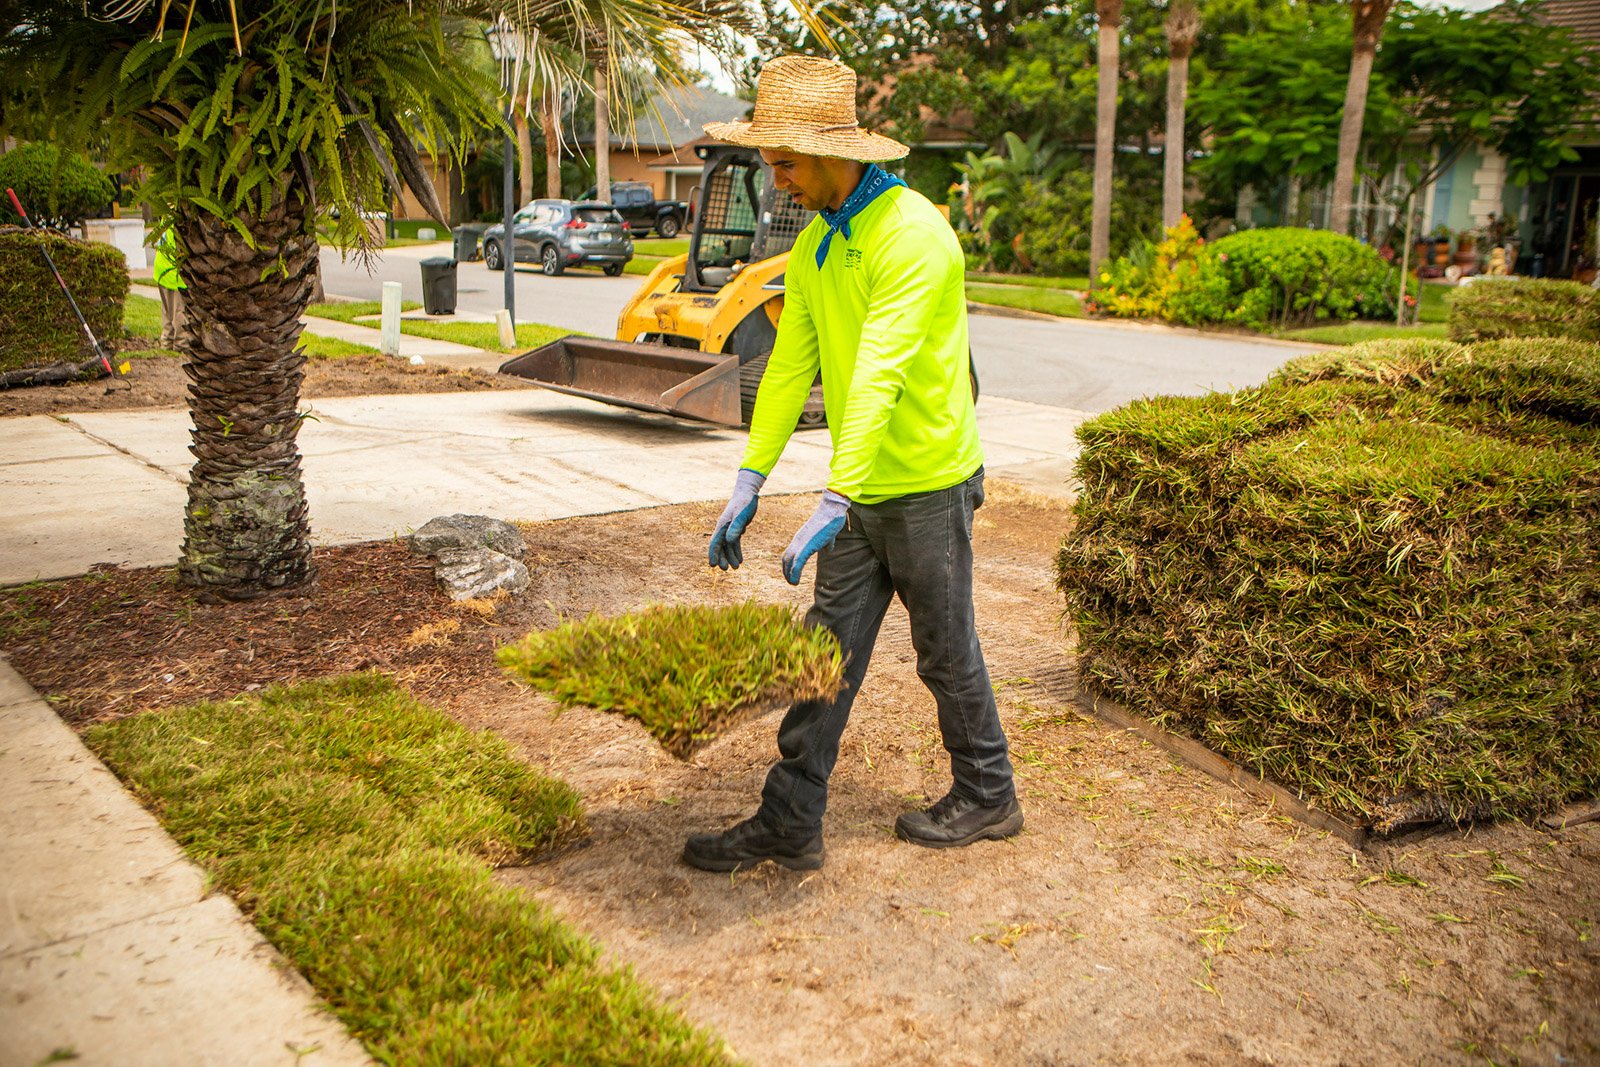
(109, 487)
(111, 947)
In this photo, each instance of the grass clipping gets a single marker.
(686, 673)
(1375, 580)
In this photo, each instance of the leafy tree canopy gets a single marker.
(1443, 78)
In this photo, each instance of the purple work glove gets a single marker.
(724, 551)
(817, 533)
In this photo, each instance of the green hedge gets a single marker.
(57, 188)
(1271, 278)
(1375, 580)
(1525, 307)
(37, 326)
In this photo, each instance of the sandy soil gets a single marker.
(1148, 914)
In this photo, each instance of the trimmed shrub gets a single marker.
(1280, 278)
(58, 189)
(1525, 307)
(1374, 580)
(37, 326)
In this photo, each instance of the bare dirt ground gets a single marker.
(159, 382)
(1147, 915)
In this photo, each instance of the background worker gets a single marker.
(875, 299)
(172, 287)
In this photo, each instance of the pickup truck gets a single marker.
(636, 202)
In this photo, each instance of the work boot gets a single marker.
(747, 844)
(955, 821)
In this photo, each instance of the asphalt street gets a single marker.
(1083, 365)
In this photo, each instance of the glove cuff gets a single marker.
(834, 502)
(749, 479)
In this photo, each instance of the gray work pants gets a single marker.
(918, 547)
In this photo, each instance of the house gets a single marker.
(660, 147)
(1551, 222)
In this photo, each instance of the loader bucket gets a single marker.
(649, 377)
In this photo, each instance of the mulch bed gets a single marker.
(159, 382)
(119, 641)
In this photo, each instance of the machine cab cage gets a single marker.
(741, 218)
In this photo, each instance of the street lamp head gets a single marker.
(505, 43)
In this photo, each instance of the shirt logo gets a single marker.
(852, 257)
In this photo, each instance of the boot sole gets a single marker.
(998, 832)
(793, 863)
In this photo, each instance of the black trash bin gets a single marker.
(439, 286)
(467, 238)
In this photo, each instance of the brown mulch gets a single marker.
(159, 382)
(118, 641)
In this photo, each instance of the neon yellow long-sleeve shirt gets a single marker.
(885, 320)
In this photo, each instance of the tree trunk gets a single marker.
(602, 130)
(524, 157)
(245, 529)
(549, 118)
(1105, 133)
(1367, 17)
(1183, 28)
(460, 211)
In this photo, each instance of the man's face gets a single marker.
(813, 182)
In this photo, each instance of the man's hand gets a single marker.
(817, 533)
(725, 551)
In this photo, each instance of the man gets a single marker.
(875, 300)
(172, 287)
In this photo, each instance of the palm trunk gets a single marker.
(246, 531)
(524, 157)
(1183, 28)
(1105, 133)
(602, 130)
(1367, 27)
(552, 144)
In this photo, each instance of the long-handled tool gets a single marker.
(43, 247)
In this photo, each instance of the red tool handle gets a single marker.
(12, 193)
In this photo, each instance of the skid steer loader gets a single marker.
(695, 338)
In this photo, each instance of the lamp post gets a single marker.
(506, 43)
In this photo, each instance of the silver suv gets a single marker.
(557, 234)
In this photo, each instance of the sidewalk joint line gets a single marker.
(126, 452)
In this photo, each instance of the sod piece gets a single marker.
(1375, 580)
(686, 673)
(356, 827)
(1525, 307)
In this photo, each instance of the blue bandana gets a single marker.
(874, 183)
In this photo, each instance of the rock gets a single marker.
(465, 573)
(466, 532)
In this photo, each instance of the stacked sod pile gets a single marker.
(1375, 580)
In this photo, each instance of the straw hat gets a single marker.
(808, 105)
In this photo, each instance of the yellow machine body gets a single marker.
(661, 309)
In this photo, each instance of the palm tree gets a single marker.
(1367, 18)
(255, 124)
(1183, 29)
(1105, 132)
(602, 124)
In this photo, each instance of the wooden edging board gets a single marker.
(1573, 814)
(1202, 758)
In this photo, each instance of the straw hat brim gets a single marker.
(855, 143)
